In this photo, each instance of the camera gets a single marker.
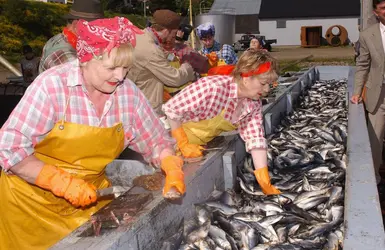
(187, 29)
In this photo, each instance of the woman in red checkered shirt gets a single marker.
(232, 99)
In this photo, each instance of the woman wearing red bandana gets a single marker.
(73, 120)
(233, 99)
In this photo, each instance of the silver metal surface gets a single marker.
(224, 26)
(364, 227)
(9, 66)
(241, 7)
(116, 191)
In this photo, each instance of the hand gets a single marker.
(188, 150)
(62, 184)
(180, 33)
(174, 186)
(356, 99)
(191, 150)
(80, 193)
(263, 178)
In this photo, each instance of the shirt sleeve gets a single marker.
(251, 129)
(29, 122)
(57, 58)
(195, 102)
(229, 55)
(169, 76)
(150, 137)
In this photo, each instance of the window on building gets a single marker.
(281, 24)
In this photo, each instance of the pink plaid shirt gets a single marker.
(207, 98)
(44, 103)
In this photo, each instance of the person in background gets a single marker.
(256, 43)
(29, 65)
(61, 48)
(369, 78)
(73, 120)
(233, 101)
(213, 49)
(151, 70)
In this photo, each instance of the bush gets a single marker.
(31, 22)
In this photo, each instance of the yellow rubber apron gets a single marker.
(175, 64)
(34, 218)
(204, 131)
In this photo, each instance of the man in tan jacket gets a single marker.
(370, 70)
(152, 70)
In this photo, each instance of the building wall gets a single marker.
(291, 35)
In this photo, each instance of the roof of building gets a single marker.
(238, 7)
(309, 8)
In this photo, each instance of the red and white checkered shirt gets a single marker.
(207, 98)
(44, 103)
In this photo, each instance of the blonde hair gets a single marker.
(250, 60)
(122, 56)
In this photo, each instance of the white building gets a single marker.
(283, 19)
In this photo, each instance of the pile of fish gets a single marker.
(306, 159)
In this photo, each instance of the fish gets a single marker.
(306, 157)
(175, 240)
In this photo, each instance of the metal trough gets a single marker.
(159, 219)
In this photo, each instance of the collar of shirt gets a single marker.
(153, 35)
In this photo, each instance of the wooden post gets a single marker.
(191, 23)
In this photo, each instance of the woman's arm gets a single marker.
(28, 169)
(259, 157)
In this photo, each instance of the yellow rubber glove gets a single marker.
(174, 186)
(263, 179)
(62, 184)
(188, 150)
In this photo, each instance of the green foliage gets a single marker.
(33, 23)
(139, 21)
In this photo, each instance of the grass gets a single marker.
(314, 62)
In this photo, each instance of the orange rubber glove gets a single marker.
(188, 150)
(263, 179)
(62, 184)
(174, 186)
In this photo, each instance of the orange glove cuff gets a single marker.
(171, 163)
(180, 136)
(188, 150)
(53, 179)
(263, 178)
(172, 166)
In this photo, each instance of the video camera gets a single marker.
(187, 29)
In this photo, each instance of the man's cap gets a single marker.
(167, 19)
(88, 10)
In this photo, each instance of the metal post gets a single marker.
(9, 66)
(144, 7)
(191, 23)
